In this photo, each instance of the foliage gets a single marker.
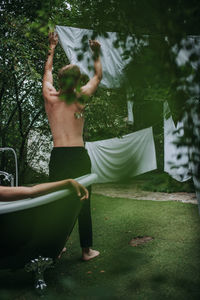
(159, 27)
(106, 116)
(22, 57)
(159, 181)
(20, 101)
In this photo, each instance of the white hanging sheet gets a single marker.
(191, 46)
(196, 179)
(195, 150)
(130, 118)
(112, 59)
(172, 165)
(118, 158)
(185, 52)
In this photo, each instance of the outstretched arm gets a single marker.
(93, 83)
(48, 77)
(21, 192)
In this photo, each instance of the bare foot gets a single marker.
(88, 253)
(63, 251)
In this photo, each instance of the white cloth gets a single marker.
(172, 165)
(118, 158)
(130, 118)
(196, 181)
(112, 59)
(185, 52)
(195, 149)
(191, 46)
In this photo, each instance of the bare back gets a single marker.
(66, 120)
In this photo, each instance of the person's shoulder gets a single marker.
(49, 92)
(81, 96)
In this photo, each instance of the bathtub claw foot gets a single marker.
(38, 266)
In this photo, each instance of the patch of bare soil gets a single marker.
(129, 191)
(140, 240)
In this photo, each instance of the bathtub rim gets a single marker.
(12, 206)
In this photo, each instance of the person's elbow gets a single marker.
(99, 77)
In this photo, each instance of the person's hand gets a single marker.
(53, 38)
(81, 191)
(95, 46)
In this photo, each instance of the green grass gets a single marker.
(167, 267)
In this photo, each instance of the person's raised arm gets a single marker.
(48, 77)
(21, 192)
(93, 83)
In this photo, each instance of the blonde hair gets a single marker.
(69, 76)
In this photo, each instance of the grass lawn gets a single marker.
(168, 267)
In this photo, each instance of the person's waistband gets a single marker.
(69, 149)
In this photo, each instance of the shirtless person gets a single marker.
(65, 109)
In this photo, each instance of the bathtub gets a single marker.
(36, 229)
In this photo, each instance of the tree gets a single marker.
(153, 73)
(20, 97)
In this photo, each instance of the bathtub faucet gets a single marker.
(8, 177)
(16, 167)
